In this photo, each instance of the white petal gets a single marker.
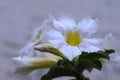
(64, 24)
(107, 73)
(92, 41)
(51, 35)
(95, 75)
(110, 42)
(88, 47)
(115, 57)
(47, 24)
(95, 42)
(107, 70)
(21, 61)
(88, 26)
(57, 43)
(115, 61)
(70, 51)
(37, 74)
(28, 50)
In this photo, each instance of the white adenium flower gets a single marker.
(31, 61)
(111, 42)
(70, 38)
(110, 68)
(63, 34)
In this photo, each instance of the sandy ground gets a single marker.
(19, 18)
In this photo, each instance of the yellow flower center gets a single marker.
(73, 38)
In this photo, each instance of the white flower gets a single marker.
(63, 34)
(110, 69)
(111, 42)
(70, 38)
(31, 61)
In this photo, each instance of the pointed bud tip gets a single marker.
(36, 47)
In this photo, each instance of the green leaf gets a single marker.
(78, 58)
(91, 60)
(75, 68)
(109, 51)
(89, 65)
(83, 55)
(62, 68)
(57, 72)
(94, 55)
(75, 60)
(98, 64)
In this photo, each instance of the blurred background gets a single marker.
(19, 18)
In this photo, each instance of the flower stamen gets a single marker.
(73, 38)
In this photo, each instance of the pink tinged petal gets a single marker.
(88, 26)
(64, 24)
(70, 52)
